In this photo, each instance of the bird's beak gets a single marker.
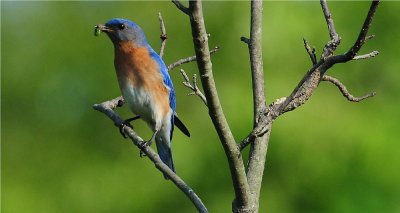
(101, 28)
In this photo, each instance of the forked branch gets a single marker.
(305, 88)
(193, 86)
(310, 81)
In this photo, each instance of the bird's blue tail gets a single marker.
(165, 153)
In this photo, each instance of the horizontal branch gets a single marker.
(188, 59)
(344, 90)
(107, 108)
(245, 40)
(366, 56)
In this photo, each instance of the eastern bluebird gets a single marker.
(144, 83)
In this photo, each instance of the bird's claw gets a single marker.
(142, 146)
(121, 127)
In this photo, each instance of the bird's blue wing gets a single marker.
(167, 82)
(166, 78)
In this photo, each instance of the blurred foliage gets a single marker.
(330, 155)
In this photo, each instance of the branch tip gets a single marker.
(369, 37)
(366, 56)
(344, 90)
(245, 40)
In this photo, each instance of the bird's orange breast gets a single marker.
(135, 66)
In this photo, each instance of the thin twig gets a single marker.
(311, 52)
(369, 37)
(181, 7)
(245, 40)
(107, 108)
(344, 90)
(362, 37)
(163, 35)
(188, 59)
(365, 56)
(193, 86)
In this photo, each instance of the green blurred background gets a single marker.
(330, 155)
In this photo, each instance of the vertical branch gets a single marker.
(256, 60)
(329, 20)
(200, 40)
(258, 149)
(331, 46)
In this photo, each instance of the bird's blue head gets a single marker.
(119, 29)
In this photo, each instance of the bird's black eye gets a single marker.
(121, 26)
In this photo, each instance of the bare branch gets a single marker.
(245, 40)
(188, 59)
(344, 90)
(259, 146)
(362, 38)
(331, 46)
(311, 52)
(369, 37)
(200, 41)
(254, 134)
(181, 7)
(163, 35)
(329, 20)
(366, 56)
(193, 87)
(107, 108)
(310, 81)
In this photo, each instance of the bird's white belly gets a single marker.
(139, 102)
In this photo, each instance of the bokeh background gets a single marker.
(330, 155)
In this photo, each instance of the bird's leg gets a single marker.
(147, 143)
(127, 122)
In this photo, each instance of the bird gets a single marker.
(145, 84)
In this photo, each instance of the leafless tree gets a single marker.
(247, 180)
